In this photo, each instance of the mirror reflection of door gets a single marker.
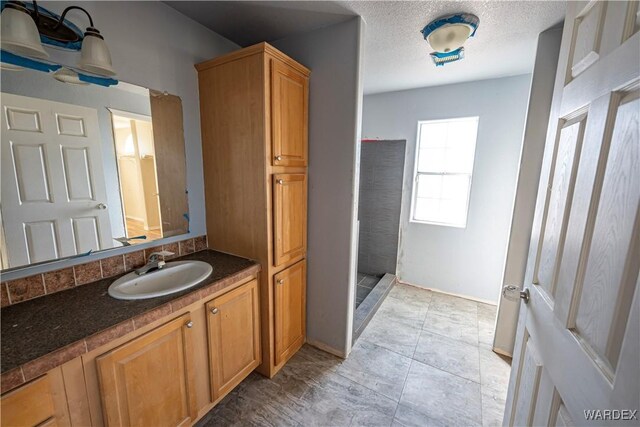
(133, 136)
(54, 200)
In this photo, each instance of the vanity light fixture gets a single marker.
(66, 75)
(22, 26)
(19, 32)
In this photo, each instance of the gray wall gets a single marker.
(464, 261)
(334, 56)
(152, 45)
(381, 179)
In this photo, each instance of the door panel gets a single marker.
(289, 308)
(77, 173)
(289, 217)
(234, 337)
(579, 335)
(561, 184)
(605, 296)
(149, 380)
(587, 36)
(289, 112)
(51, 159)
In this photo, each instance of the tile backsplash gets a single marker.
(26, 288)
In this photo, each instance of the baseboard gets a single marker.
(483, 301)
(327, 348)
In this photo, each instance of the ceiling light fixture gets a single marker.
(22, 26)
(447, 35)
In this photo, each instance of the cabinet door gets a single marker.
(234, 337)
(149, 380)
(35, 403)
(289, 217)
(289, 115)
(289, 307)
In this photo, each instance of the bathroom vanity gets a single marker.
(91, 363)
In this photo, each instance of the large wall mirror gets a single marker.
(87, 168)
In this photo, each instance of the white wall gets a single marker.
(467, 261)
(334, 55)
(152, 45)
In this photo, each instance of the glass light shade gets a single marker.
(66, 75)
(95, 57)
(449, 37)
(19, 33)
(5, 66)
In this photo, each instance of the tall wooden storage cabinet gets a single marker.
(254, 116)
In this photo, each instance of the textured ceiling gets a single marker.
(396, 56)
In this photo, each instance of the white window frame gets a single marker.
(414, 189)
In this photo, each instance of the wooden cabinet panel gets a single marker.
(289, 307)
(289, 115)
(234, 337)
(289, 217)
(149, 380)
(29, 405)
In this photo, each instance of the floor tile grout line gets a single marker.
(480, 371)
(367, 387)
(446, 336)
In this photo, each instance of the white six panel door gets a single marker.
(53, 190)
(577, 355)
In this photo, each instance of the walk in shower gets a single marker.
(381, 178)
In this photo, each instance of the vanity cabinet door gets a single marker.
(289, 115)
(289, 307)
(289, 217)
(149, 380)
(39, 403)
(234, 337)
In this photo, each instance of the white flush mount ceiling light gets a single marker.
(447, 35)
(94, 56)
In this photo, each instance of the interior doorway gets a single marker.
(133, 136)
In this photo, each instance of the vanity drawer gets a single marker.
(30, 405)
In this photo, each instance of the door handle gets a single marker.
(101, 206)
(513, 293)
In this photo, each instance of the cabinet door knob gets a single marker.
(279, 181)
(280, 281)
(189, 324)
(214, 310)
(278, 158)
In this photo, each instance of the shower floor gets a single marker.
(366, 283)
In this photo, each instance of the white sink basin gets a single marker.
(173, 277)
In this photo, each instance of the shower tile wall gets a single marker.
(381, 176)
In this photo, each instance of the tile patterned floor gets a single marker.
(424, 360)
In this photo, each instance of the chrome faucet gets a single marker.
(155, 262)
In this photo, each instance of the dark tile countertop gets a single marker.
(45, 332)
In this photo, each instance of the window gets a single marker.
(444, 162)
